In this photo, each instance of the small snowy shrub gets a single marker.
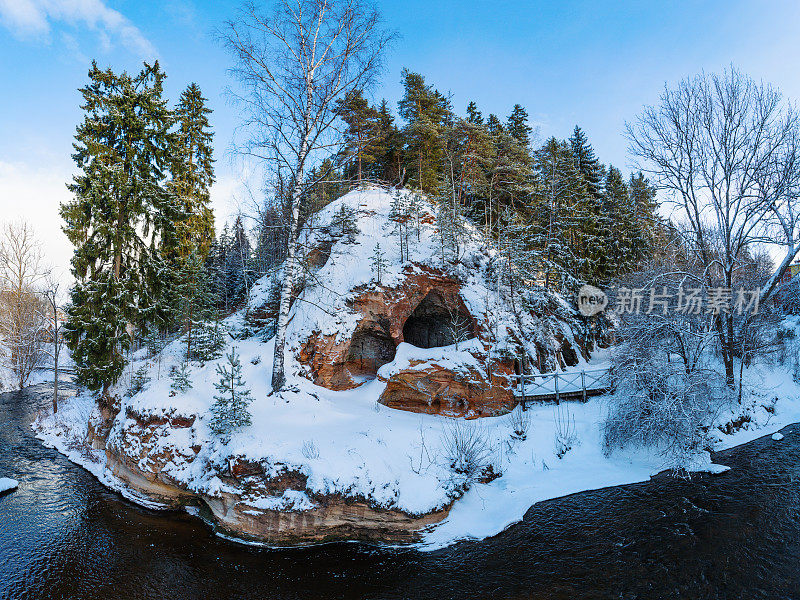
(344, 223)
(566, 436)
(466, 450)
(180, 379)
(520, 423)
(310, 450)
(230, 409)
(139, 381)
(208, 341)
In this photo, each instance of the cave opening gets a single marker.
(369, 350)
(436, 322)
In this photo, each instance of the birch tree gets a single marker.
(727, 150)
(293, 65)
(21, 270)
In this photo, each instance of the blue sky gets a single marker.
(591, 63)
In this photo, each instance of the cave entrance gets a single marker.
(370, 349)
(436, 322)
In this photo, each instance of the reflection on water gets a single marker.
(737, 535)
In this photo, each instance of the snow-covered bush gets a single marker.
(520, 423)
(566, 434)
(659, 404)
(310, 450)
(466, 450)
(787, 297)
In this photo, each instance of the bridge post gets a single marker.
(558, 397)
(583, 385)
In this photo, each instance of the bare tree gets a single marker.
(21, 325)
(728, 150)
(293, 66)
(54, 325)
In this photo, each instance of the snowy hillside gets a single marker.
(345, 444)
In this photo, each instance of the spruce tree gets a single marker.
(230, 409)
(193, 172)
(518, 127)
(587, 163)
(120, 210)
(474, 116)
(181, 383)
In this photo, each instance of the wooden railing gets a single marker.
(560, 385)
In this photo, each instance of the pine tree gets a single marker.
(517, 126)
(388, 147)
(425, 111)
(378, 263)
(399, 216)
(121, 208)
(181, 383)
(230, 409)
(208, 342)
(363, 132)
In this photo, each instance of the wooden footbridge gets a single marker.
(561, 385)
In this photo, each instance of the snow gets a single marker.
(7, 484)
(346, 443)
(777, 436)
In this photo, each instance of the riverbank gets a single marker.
(533, 473)
(728, 536)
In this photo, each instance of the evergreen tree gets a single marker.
(399, 216)
(378, 263)
(388, 147)
(181, 383)
(208, 342)
(139, 381)
(120, 210)
(345, 223)
(557, 213)
(518, 127)
(493, 124)
(193, 172)
(230, 409)
(587, 162)
(425, 111)
(238, 277)
(474, 116)
(363, 132)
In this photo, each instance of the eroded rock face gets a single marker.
(340, 364)
(134, 457)
(426, 310)
(437, 390)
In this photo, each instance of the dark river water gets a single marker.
(736, 535)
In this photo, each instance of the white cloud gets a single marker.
(27, 18)
(34, 194)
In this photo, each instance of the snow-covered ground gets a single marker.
(347, 443)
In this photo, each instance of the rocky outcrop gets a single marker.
(238, 509)
(437, 390)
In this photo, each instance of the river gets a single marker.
(735, 535)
